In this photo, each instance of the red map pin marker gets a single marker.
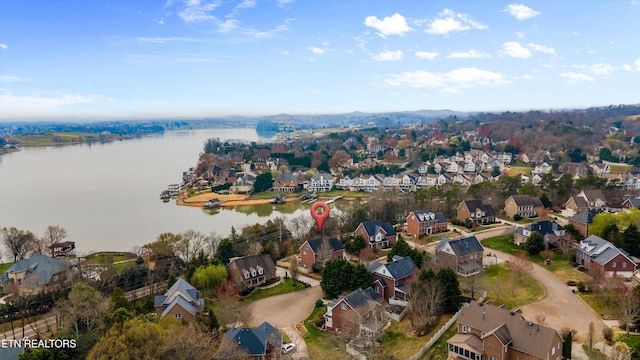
(319, 217)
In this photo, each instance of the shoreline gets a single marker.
(225, 200)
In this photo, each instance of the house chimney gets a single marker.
(483, 314)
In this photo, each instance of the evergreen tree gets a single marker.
(452, 294)
(225, 251)
(339, 276)
(534, 244)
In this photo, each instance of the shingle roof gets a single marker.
(472, 205)
(586, 217)
(401, 268)
(526, 337)
(600, 250)
(254, 340)
(544, 227)
(333, 242)
(526, 200)
(371, 227)
(253, 261)
(594, 194)
(634, 202)
(580, 202)
(39, 270)
(424, 215)
(180, 293)
(462, 247)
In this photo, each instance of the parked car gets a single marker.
(287, 348)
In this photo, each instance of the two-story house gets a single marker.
(478, 212)
(181, 301)
(392, 280)
(378, 235)
(524, 205)
(586, 200)
(321, 182)
(464, 256)
(359, 313)
(487, 332)
(318, 250)
(259, 343)
(426, 222)
(582, 220)
(286, 183)
(39, 273)
(552, 234)
(250, 271)
(596, 253)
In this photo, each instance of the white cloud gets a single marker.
(282, 3)
(285, 53)
(395, 24)
(4, 46)
(246, 4)
(267, 33)
(542, 48)
(228, 26)
(317, 50)
(45, 104)
(471, 54)
(10, 79)
(449, 21)
(521, 11)
(159, 21)
(577, 77)
(527, 77)
(449, 82)
(197, 11)
(521, 34)
(602, 70)
(514, 49)
(388, 55)
(427, 55)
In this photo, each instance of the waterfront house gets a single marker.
(321, 182)
(39, 273)
(285, 183)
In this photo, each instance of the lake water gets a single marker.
(107, 195)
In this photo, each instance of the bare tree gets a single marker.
(426, 297)
(188, 343)
(520, 265)
(547, 255)
(54, 234)
(630, 305)
(191, 243)
(293, 268)
(620, 351)
(540, 319)
(591, 334)
(18, 242)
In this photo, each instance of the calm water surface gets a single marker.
(107, 195)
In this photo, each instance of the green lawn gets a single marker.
(632, 340)
(502, 243)
(593, 354)
(502, 288)
(398, 344)
(52, 139)
(598, 304)
(284, 287)
(4, 267)
(440, 347)
(320, 344)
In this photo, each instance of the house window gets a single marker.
(624, 264)
(613, 265)
(378, 290)
(553, 351)
(260, 271)
(178, 315)
(343, 306)
(253, 273)
(464, 328)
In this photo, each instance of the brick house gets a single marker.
(392, 280)
(597, 253)
(261, 343)
(251, 271)
(476, 211)
(586, 200)
(582, 220)
(489, 332)
(551, 232)
(286, 183)
(464, 255)
(631, 203)
(377, 234)
(358, 313)
(317, 251)
(426, 222)
(523, 205)
(39, 273)
(181, 301)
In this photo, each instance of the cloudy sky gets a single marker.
(130, 59)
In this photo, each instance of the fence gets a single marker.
(442, 330)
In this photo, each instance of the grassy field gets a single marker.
(54, 139)
(107, 257)
(283, 288)
(398, 344)
(4, 267)
(322, 345)
(632, 340)
(440, 347)
(503, 289)
(598, 304)
(517, 170)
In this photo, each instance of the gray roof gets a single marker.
(180, 293)
(39, 270)
(253, 261)
(372, 227)
(594, 194)
(462, 247)
(529, 338)
(333, 242)
(424, 215)
(255, 340)
(634, 202)
(287, 177)
(600, 250)
(586, 217)
(401, 268)
(544, 227)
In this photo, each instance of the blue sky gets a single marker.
(86, 59)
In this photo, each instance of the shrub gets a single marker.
(607, 333)
(319, 303)
(517, 217)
